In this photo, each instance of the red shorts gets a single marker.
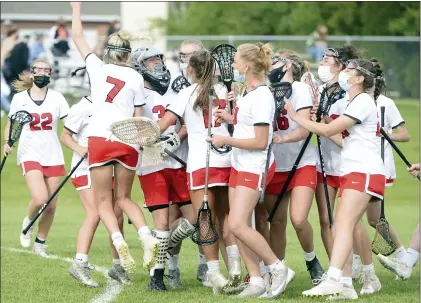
(250, 180)
(389, 182)
(304, 176)
(371, 184)
(47, 171)
(332, 181)
(102, 152)
(165, 186)
(218, 176)
(84, 182)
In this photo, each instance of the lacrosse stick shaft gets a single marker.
(382, 110)
(208, 149)
(322, 167)
(289, 179)
(34, 219)
(172, 155)
(397, 150)
(3, 162)
(265, 176)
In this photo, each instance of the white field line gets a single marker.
(111, 291)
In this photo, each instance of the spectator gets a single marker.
(60, 35)
(37, 48)
(317, 42)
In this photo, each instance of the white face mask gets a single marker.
(343, 81)
(324, 73)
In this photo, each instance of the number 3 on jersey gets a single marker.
(118, 85)
(160, 110)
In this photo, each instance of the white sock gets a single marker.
(257, 281)
(276, 266)
(309, 256)
(356, 260)
(144, 231)
(213, 266)
(411, 257)
(116, 261)
(117, 238)
(173, 262)
(263, 268)
(334, 272)
(346, 281)
(367, 268)
(202, 259)
(233, 252)
(26, 221)
(82, 257)
(400, 252)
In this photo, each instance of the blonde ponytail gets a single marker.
(24, 82)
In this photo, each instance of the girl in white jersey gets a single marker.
(117, 93)
(362, 170)
(252, 119)
(289, 67)
(39, 153)
(191, 105)
(74, 137)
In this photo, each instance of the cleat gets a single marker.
(357, 270)
(82, 272)
(218, 281)
(290, 276)
(39, 249)
(118, 273)
(157, 281)
(326, 286)
(150, 252)
(371, 283)
(348, 293)
(201, 272)
(234, 272)
(126, 258)
(278, 281)
(25, 240)
(252, 291)
(174, 279)
(315, 269)
(397, 266)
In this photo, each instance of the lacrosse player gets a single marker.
(117, 93)
(287, 66)
(39, 153)
(166, 182)
(191, 105)
(362, 170)
(252, 119)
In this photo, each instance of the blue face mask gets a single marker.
(158, 68)
(239, 78)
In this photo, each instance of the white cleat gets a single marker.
(125, 257)
(218, 281)
(150, 251)
(397, 266)
(82, 272)
(371, 283)
(252, 291)
(39, 249)
(25, 240)
(327, 286)
(234, 271)
(357, 270)
(290, 276)
(278, 281)
(348, 293)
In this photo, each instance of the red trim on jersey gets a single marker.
(218, 176)
(102, 152)
(47, 171)
(373, 185)
(165, 186)
(250, 180)
(84, 182)
(332, 181)
(304, 176)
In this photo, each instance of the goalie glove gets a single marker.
(171, 142)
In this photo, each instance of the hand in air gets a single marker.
(75, 4)
(7, 149)
(290, 109)
(217, 140)
(414, 170)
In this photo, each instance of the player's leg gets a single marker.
(262, 226)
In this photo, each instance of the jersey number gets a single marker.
(345, 133)
(160, 110)
(281, 121)
(46, 118)
(222, 105)
(118, 85)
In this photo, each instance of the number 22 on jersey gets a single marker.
(45, 124)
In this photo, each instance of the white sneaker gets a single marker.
(327, 286)
(357, 270)
(252, 291)
(371, 283)
(39, 249)
(234, 271)
(267, 278)
(150, 246)
(125, 257)
(348, 293)
(82, 272)
(25, 240)
(278, 281)
(218, 281)
(206, 281)
(290, 276)
(397, 266)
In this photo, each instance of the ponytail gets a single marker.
(380, 81)
(204, 67)
(24, 82)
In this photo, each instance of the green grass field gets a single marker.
(27, 278)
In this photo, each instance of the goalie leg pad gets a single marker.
(183, 230)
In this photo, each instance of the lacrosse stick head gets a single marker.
(329, 96)
(179, 83)
(205, 233)
(223, 54)
(17, 121)
(138, 130)
(280, 91)
(382, 242)
(223, 150)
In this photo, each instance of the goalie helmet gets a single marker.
(159, 79)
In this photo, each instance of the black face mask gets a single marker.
(41, 81)
(276, 75)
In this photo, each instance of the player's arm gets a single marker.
(259, 142)
(298, 134)
(182, 133)
(68, 141)
(6, 148)
(77, 31)
(170, 118)
(394, 117)
(138, 111)
(401, 134)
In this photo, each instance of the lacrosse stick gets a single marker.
(397, 150)
(330, 96)
(205, 233)
(17, 121)
(179, 83)
(223, 54)
(382, 242)
(280, 91)
(41, 210)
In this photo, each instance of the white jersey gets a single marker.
(154, 109)
(392, 119)
(39, 141)
(196, 122)
(330, 151)
(286, 154)
(116, 90)
(255, 108)
(77, 123)
(361, 142)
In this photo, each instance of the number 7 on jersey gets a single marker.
(118, 85)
